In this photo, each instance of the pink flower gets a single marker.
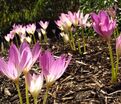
(10, 36)
(44, 25)
(16, 63)
(83, 20)
(19, 29)
(33, 55)
(74, 17)
(78, 19)
(35, 83)
(103, 25)
(53, 68)
(64, 23)
(118, 45)
(30, 28)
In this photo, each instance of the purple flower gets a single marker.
(33, 55)
(16, 62)
(103, 25)
(53, 68)
(35, 83)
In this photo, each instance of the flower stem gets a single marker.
(19, 93)
(116, 33)
(34, 38)
(72, 41)
(39, 35)
(45, 38)
(78, 41)
(26, 89)
(46, 95)
(35, 99)
(117, 63)
(112, 62)
(84, 43)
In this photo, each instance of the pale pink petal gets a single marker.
(35, 83)
(14, 54)
(26, 56)
(36, 52)
(46, 60)
(3, 65)
(23, 45)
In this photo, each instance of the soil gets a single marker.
(87, 79)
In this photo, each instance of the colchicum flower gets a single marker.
(53, 68)
(83, 20)
(102, 24)
(10, 36)
(33, 55)
(30, 28)
(74, 17)
(44, 25)
(18, 59)
(35, 83)
(19, 29)
(64, 23)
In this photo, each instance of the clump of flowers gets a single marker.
(22, 59)
(27, 32)
(71, 21)
(19, 30)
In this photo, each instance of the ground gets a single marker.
(87, 79)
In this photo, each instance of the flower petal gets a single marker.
(23, 45)
(36, 51)
(46, 59)
(14, 55)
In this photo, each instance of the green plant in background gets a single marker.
(22, 11)
(92, 5)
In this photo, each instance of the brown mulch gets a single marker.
(87, 80)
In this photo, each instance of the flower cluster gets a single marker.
(22, 59)
(66, 21)
(22, 31)
(70, 24)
